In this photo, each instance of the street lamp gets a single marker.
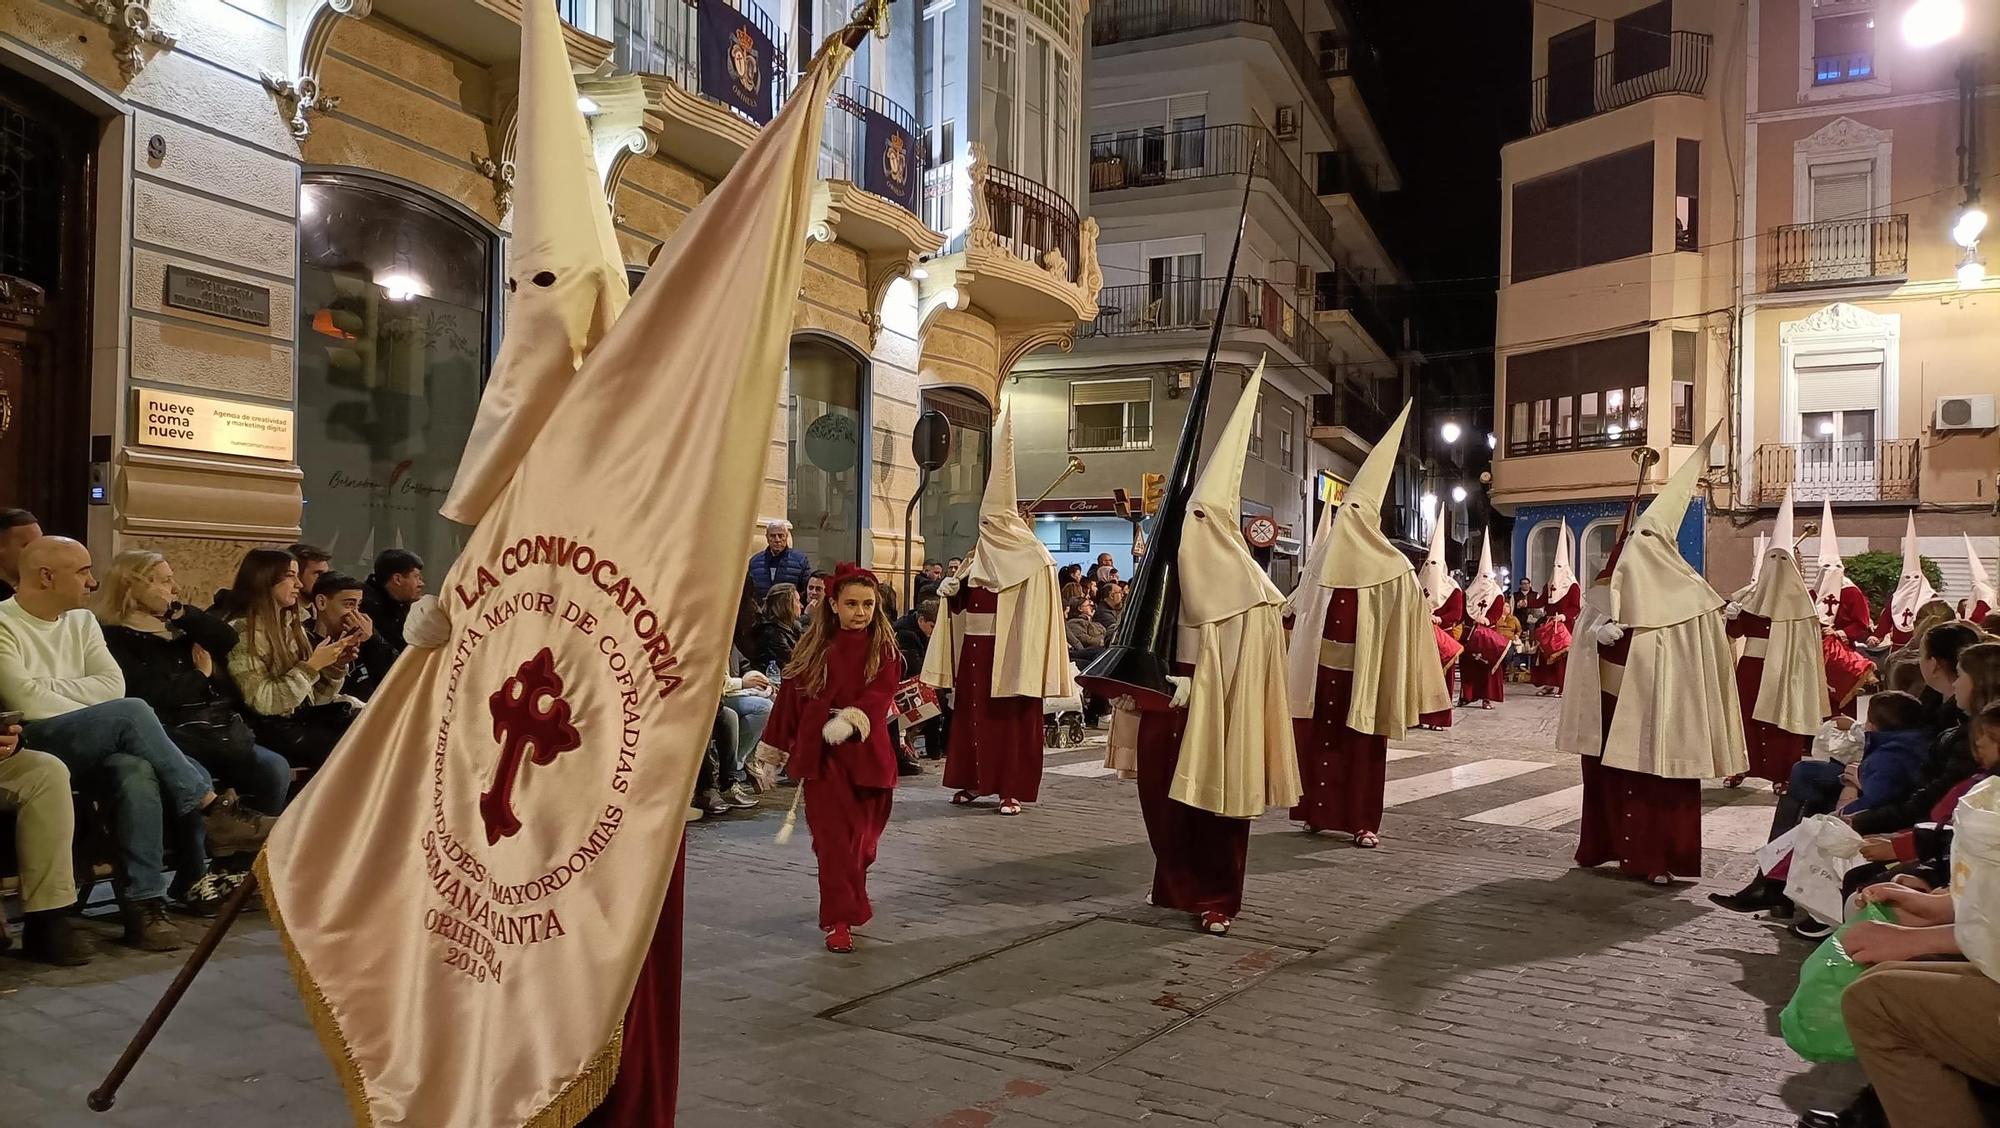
(1450, 432)
(1429, 501)
(1458, 493)
(1971, 269)
(1931, 22)
(1970, 224)
(1492, 440)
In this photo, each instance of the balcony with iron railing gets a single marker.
(843, 148)
(1030, 258)
(1840, 252)
(1858, 470)
(1128, 21)
(1348, 421)
(1679, 65)
(1377, 309)
(1132, 436)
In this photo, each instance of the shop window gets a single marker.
(1597, 541)
(825, 454)
(396, 309)
(949, 520)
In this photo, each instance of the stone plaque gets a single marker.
(213, 426)
(218, 297)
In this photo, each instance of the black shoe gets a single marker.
(49, 937)
(1811, 928)
(234, 828)
(204, 898)
(147, 927)
(1762, 893)
(908, 768)
(1865, 1112)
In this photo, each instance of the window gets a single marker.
(1842, 190)
(395, 339)
(1598, 538)
(825, 455)
(1687, 190)
(1684, 342)
(1578, 397)
(1843, 48)
(1027, 103)
(1287, 423)
(950, 518)
(1111, 415)
(1257, 428)
(1542, 542)
(1571, 56)
(1173, 290)
(1598, 211)
(1641, 42)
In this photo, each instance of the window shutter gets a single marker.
(1186, 106)
(1111, 391)
(1841, 195)
(1839, 389)
(1684, 340)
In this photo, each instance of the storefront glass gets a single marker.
(824, 452)
(395, 312)
(949, 515)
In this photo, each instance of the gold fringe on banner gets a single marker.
(577, 1100)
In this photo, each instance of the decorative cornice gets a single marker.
(308, 29)
(501, 173)
(1840, 317)
(1013, 347)
(1841, 134)
(132, 29)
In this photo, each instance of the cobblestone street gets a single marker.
(1463, 974)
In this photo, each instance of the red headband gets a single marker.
(849, 572)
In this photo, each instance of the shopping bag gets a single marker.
(1975, 875)
(1823, 852)
(1835, 743)
(1777, 850)
(916, 702)
(1811, 1022)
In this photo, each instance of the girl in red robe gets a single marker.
(1552, 640)
(831, 718)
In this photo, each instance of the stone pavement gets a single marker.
(1015, 977)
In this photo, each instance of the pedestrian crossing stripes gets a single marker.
(1543, 812)
(1477, 774)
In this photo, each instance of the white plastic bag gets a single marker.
(1975, 875)
(1776, 850)
(1822, 853)
(1833, 743)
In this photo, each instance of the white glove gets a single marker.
(837, 729)
(427, 625)
(1731, 609)
(1182, 688)
(1609, 633)
(949, 587)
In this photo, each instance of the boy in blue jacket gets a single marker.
(1895, 745)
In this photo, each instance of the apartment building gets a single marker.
(1187, 104)
(1744, 213)
(295, 212)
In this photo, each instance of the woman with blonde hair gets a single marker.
(291, 688)
(172, 656)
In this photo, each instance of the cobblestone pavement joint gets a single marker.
(1463, 974)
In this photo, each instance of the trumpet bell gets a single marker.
(1645, 456)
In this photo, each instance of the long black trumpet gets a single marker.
(1141, 654)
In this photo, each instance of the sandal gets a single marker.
(1010, 807)
(1735, 780)
(1367, 840)
(963, 799)
(1213, 923)
(838, 940)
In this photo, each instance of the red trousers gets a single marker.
(1649, 825)
(1198, 856)
(649, 1068)
(846, 823)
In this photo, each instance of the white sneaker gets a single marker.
(739, 797)
(713, 801)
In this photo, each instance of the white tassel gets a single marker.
(784, 834)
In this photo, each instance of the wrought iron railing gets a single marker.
(660, 37)
(1377, 308)
(1575, 93)
(1344, 407)
(1030, 219)
(1130, 437)
(1123, 21)
(843, 147)
(1356, 61)
(1885, 470)
(1550, 443)
(1838, 252)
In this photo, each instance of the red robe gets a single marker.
(1450, 616)
(1343, 771)
(1482, 668)
(1648, 824)
(1552, 638)
(1199, 856)
(1886, 627)
(1773, 750)
(1980, 609)
(996, 742)
(1848, 671)
(649, 1075)
(848, 786)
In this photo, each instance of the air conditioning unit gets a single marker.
(1966, 413)
(1288, 123)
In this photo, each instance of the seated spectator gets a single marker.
(1111, 608)
(314, 562)
(1991, 625)
(336, 611)
(815, 591)
(170, 654)
(56, 670)
(745, 708)
(1068, 574)
(913, 638)
(1071, 593)
(774, 637)
(1921, 1018)
(779, 563)
(887, 598)
(396, 582)
(1895, 744)
(1083, 632)
(34, 788)
(17, 528)
(929, 579)
(1813, 788)
(290, 687)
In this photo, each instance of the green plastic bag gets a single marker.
(1811, 1022)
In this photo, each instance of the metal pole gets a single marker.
(909, 517)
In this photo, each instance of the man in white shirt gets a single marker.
(56, 669)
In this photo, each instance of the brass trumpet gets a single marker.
(1074, 468)
(1811, 529)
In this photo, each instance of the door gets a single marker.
(46, 175)
(1842, 243)
(1571, 56)
(1838, 456)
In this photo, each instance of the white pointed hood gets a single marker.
(1975, 570)
(1778, 589)
(1008, 551)
(1832, 569)
(1306, 591)
(565, 274)
(1434, 577)
(1562, 577)
(1652, 585)
(1757, 549)
(1485, 586)
(1913, 588)
(1361, 555)
(1222, 579)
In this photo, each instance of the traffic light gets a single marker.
(1153, 489)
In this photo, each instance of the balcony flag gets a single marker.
(892, 169)
(469, 888)
(737, 59)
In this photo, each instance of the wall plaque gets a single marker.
(213, 426)
(218, 297)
